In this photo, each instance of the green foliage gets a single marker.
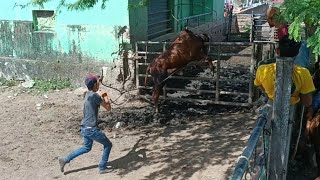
(80, 5)
(296, 12)
(9, 83)
(53, 84)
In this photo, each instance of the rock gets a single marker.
(28, 84)
(80, 91)
(118, 125)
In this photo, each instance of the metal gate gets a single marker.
(231, 83)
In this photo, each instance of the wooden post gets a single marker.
(280, 135)
(165, 86)
(252, 65)
(218, 75)
(125, 62)
(229, 25)
(252, 29)
(137, 70)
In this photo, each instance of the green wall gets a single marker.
(185, 8)
(138, 21)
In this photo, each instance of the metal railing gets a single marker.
(218, 82)
(209, 15)
(244, 165)
(196, 20)
(279, 127)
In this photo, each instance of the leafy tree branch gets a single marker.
(80, 5)
(297, 12)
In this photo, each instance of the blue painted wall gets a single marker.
(116, 13)
(96, 37)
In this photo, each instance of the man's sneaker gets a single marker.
(62, 163)
(107, 170)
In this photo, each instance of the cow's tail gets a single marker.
(146, 77)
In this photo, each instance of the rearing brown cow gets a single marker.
(187, 47)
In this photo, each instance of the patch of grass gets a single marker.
(52, 84)
(9, 83)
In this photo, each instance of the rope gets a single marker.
(298, 138)
(170, 75)
(121, 92)
(265, 153)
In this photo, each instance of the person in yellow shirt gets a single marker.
(302, 83)
(301, 90)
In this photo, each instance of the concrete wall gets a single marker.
(24, 69)
(262, 9)
(92, 33)
(214, 30)
(93, 41)
(81, 42)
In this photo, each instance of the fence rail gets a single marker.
(147, 50)
(196, 20)
(243, 163)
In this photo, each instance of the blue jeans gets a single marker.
(302, 59)
(90, 135)
(316, 102)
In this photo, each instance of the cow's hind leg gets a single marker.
(159, 81)
(155, 97)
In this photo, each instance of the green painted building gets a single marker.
(162, 19)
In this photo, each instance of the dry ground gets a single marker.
(201, 146)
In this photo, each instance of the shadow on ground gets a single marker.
(190, 139)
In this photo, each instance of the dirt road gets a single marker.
(196, 143)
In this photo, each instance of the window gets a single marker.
(43, 20)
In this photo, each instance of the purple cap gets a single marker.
(90, 81)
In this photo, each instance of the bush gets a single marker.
(53, 84)
(5, 82)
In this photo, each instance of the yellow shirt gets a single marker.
(301, 77)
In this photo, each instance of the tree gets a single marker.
(82, 4)
(296, 12)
